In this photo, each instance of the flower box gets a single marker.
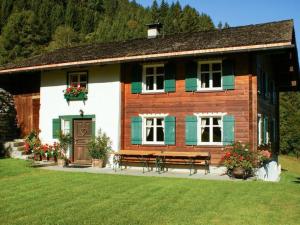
(80, 97)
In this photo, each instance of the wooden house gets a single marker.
(184, 92)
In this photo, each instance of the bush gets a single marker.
(100, 146)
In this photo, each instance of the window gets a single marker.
(153, 130)
(210, 130)
(153, 78)
(210, 75)
(259, 130)
(78, 79)
(66, 127)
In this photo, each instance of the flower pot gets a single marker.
(62, 162)
(239, 173)
(97, 163)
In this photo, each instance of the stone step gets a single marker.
(18, 144)
(19, 148)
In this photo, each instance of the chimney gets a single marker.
(154, 29)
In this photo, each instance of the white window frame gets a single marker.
(199, 126)
(199, 82)
(78, 74)
(154, 66)
(144, 126)
(64, 128)
(267, 130)
(259, 129)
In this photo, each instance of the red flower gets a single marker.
(227, 154)
(241, 158)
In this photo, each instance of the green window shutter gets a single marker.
(136, 81)
(170, 77)
(170, 130)
(228, 129)
(191, 130)
(136, 130)
(228, 75)
(191, 76)
(56, 128)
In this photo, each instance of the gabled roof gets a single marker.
(244, 38)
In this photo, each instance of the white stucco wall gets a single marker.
(104, 94)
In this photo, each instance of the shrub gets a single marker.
(100, 146)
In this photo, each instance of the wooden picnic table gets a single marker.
(133, 156)
(182, 158)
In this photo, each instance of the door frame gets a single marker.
(71, 118)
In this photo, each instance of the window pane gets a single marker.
(159, 122)
(149, 122)
(73, 80)
(205, 134)
(217, 121)
(83, 78)
(205, 121)
(204, 67)
(216, 79)
(216, 66)
(217, 134)
(160, 70)
(149, 82)
(204, 80)
(160, 82)
(83, 85)
(149, 70)
(160, 134)
(149, 134)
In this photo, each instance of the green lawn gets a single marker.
(34, 196)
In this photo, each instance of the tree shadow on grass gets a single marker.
(297, 181)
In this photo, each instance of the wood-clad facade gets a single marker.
(241, 103)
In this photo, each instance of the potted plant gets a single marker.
(98, 148)
(64, 142)
(55, 151)
(240, 161)
(31, 141)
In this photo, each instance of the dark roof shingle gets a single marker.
(274, 32)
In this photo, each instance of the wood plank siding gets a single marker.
(27, 107)
(240, 102)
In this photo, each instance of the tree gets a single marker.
(21, 36)
(290, 123)
(226, 25)
(155, 14)
(220, 25)
(64, 36)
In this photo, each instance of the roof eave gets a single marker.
(226, 50)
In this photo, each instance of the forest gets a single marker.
(31, 27)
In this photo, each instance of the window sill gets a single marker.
(156, 145)
(152, 92)
(210, 145)
(210, 90)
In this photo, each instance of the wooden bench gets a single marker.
(192, 159)
(162, 160)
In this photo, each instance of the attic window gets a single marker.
(78, 79)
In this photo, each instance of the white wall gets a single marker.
(104, 94)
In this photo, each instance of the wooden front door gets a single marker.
(81, 136)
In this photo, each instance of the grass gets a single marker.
(33, 196)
